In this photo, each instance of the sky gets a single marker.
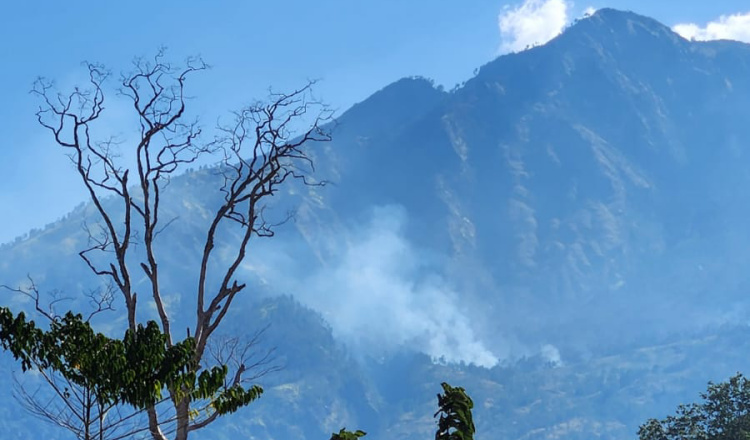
(353, 48)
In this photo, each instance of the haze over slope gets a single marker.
(590, 182)
(581, 199)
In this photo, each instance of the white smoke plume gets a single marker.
(382, 294)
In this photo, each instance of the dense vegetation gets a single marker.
(722, 414)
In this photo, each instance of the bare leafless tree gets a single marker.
(258, 152)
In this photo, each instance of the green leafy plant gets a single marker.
(135, 370)
(455, 420)
(343, 434)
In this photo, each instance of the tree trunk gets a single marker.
(183, 419)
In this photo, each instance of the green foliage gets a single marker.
(455, 422)
(19, 337)
(234, 398)
(724, 414)
(132, 371)
(347, 435)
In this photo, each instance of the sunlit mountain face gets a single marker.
(565, 235)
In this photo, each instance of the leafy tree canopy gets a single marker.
(134, 370)
(723, 414)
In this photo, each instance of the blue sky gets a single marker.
(353, 47)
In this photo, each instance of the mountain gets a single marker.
(565, 235)
(598, 171)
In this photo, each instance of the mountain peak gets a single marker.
(606, 35)
(628, 23)
(606, 23)
(619, 14)
(386, 108)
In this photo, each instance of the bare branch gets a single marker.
(242, 356)
(275, 155)
(264, 147)
(101, 299)
(76, 409)
(32, 291)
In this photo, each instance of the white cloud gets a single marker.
(726, 27)
(532, 23)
